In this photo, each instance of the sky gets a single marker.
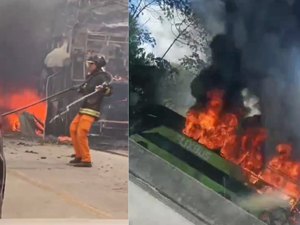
(212, 13)
(162, 32)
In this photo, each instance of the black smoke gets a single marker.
(258, 49)
(222, 74)
(26, 27)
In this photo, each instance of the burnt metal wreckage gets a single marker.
(78, 34)
(86, 36)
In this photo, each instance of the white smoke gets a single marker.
(251, 102)
(266, 201)
(57, 57)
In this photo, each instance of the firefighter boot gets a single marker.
(83, 164)
(75, 160)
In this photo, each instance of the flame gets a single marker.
(251, 147)
(218, 130)
(283, 172)
(14, 122)
(210, 126)
(18, 99)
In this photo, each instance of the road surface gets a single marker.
(158, 213)
(62, 221)
(40, 184)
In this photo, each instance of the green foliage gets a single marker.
(152, 79)
(190, 31)
(138, 37)
(168, 6)
(141, 81)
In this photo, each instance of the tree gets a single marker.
(154, 80)
(145, 70)
(189, 31)
(168, 6)
(138, 37)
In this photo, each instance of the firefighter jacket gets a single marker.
(91, 105)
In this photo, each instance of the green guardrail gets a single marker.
(181, 165)
(195, 160)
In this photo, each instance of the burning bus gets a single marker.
(71, 42)
(89, 37)
(217, 169)
(226, 142)
(241, 137)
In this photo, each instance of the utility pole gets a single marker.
(177, 37)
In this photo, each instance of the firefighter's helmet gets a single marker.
(99, 61)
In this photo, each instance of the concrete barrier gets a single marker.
(192, 196)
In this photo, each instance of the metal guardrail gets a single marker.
(48, 81)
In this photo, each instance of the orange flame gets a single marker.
(20, 99)
(14, 122)
(213, 128)
(218, 130)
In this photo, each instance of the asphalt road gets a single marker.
(40, 184)
(158, 213)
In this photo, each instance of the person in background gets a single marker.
(89, 112)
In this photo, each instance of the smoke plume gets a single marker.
(268, 201)
(26, 27)
(260, 51)
(212, 14)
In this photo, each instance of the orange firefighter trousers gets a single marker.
(79, 130)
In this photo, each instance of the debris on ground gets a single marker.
(31, 126)
(64, 140)
(24, 144)
(31, 152)
(37, 172)
(50, 139)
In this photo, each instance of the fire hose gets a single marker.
(71, 104)
(38, 102)
(77, 101)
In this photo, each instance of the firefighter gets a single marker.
(90, 110)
